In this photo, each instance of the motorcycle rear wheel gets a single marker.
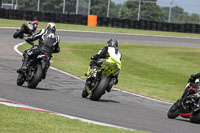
(100, 89)
(20, 79)
(195, 117)
(173, 111)
(37, 77)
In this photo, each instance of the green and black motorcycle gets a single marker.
(100, 79)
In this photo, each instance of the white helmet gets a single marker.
(51, 27)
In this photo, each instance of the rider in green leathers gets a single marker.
(111, 54)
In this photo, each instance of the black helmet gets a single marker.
(112, 43)
(51, 27)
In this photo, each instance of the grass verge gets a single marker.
(154, 71)
(17, 23)
(14, 120)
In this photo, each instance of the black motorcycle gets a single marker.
(35, 72)
(188, 107)
(26, 30)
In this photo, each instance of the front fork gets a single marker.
(91, 81)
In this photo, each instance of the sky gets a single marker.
(190, 6)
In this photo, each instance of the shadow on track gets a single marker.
(108, 101)
(38, 88)
(42, 89)
(104, 100)
(184, 120)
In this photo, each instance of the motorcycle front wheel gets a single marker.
(20, 79)
(84, 93)
(173, 111)
(18, 33)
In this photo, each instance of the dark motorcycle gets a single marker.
(36, 71)
(100, 80)
(26, 30)
(189, 107)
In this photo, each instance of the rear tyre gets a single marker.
(173, 111)
(195, 117)
(100, 89)
(37, 77)
(84, 93)
(20, 79)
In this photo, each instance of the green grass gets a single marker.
(17, 23)
(14, 120)
(155, 71)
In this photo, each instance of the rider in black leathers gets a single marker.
(191, 81)
(48, 44)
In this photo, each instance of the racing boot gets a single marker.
(113, 81)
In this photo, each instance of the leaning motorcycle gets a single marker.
(100, 80)
(36, 71)
(188, 108)
(24, 31)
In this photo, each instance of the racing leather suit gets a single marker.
(48, 44)
(104, 53)
(191, 81)
(29, 28)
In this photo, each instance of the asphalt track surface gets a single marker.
(77, 36)
(62, 93)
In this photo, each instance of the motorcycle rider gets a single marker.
(31, 28)
(48, 44)
(34, 25)
(110, 50)
(191, 83)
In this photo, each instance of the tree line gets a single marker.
(149, 11)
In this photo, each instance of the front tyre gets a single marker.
(17, 34)
(84, 93)
(37, 77)
(100, 89)
(20, 79)
(173, 111)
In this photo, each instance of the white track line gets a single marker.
(22, 106)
